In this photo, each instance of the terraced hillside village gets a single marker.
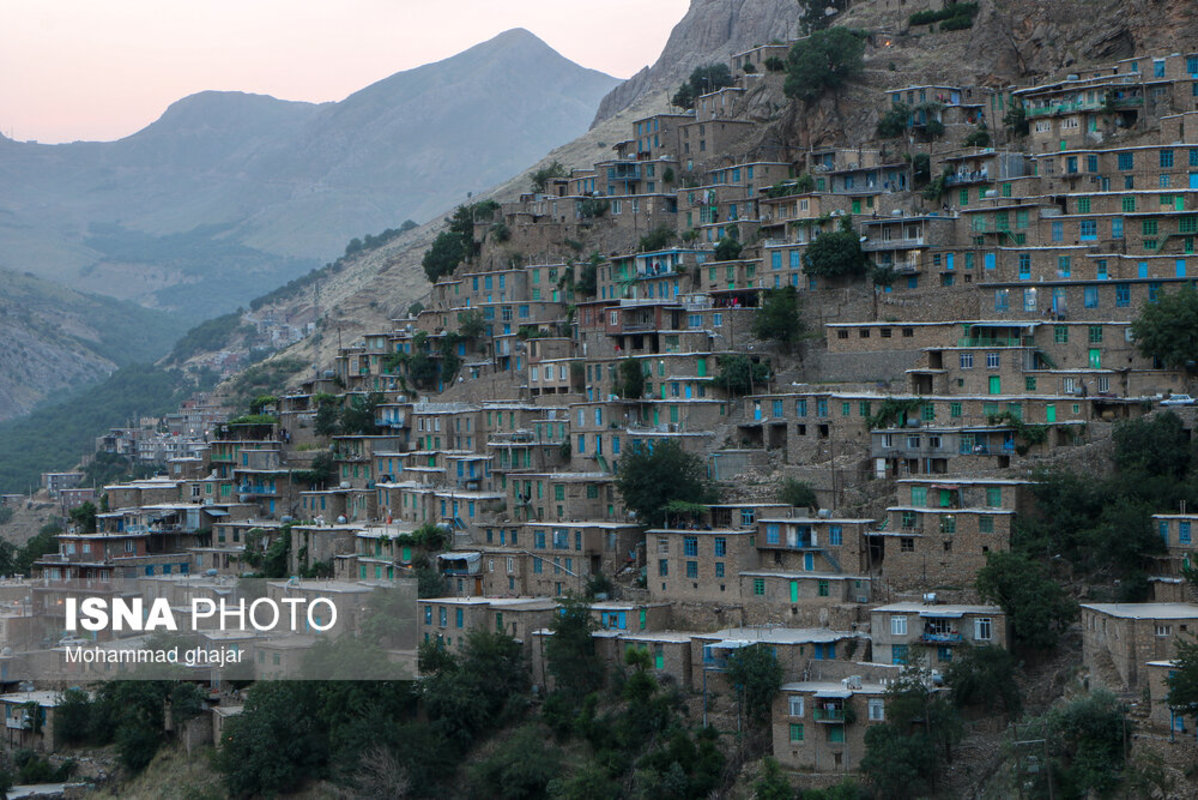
(828, 434)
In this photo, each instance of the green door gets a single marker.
(794, 591)
(995, 384)
(1095, 358)
(702, 366)
(1050, 413)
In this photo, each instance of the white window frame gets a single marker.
(877, 709)
(983, 629)
(795, 705)
(898, 626)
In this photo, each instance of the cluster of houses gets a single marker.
(994, 336)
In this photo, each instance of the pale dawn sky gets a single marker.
(103, 69)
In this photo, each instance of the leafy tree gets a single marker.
(570, 651)
(41, 544)
(985, 677)
(1183, 679)
(321, 473)
(772, 784)
(631, 384)
(703, 80)
(325, 423)
(521, 768)
(276, 743)
(1168, 329)
(648, 480)
(757, 676)
(83, 517)
(590, 782)
(447, 251)
(357, 418)
(1037, 607)
(778, 317)
(658, 238)
(72, 717)
(921, 169)
(894, 122)
(823, 62)
(1156, 446)
(978, 138)
(1015, 120)
(540, 178)
(798, 494)
(727, 249)
(471, 324)
(588, 276)
(415, 309)
(1087, 744)
(897, 765)
(836, 254)
(739, 374)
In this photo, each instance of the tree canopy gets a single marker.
(648, 480)
(1038, 607)
(823, 62)
(702, 80)
(1168, 328)
(778, 317)
(836, 254)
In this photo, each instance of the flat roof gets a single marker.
(936, 609)
(1145, 610)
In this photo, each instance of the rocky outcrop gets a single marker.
(711, 31)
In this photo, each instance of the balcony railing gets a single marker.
(831, 715)
(942, 638)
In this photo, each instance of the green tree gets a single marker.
(727, 249)
(894, 122)
(797, 493)
(1088, 741)
(648, 480)
(276, 743)
(741, 375)
(657, 239)
(570, 651)
(823, 62)
(631, 383)
(1037, 607)
(325, 423)
(772, 784)
(1155, 446)
(836, 254)
(778, 317)
(357, 418)
(40, 545)
(83, 517)
(471, 324)
(1183, 679)
(757, 676)
(1168, 329)
(447, 251)
(984, 677)
(898, 766)
(521, 768)
(588, 276)
(702, 80)
(540, 178)
(1015, 120)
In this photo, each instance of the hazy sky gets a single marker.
(103, 69)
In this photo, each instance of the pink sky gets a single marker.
(103, 69)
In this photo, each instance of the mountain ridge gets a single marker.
(291, 181)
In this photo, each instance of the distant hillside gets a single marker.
(57, 340)
(229, 195)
